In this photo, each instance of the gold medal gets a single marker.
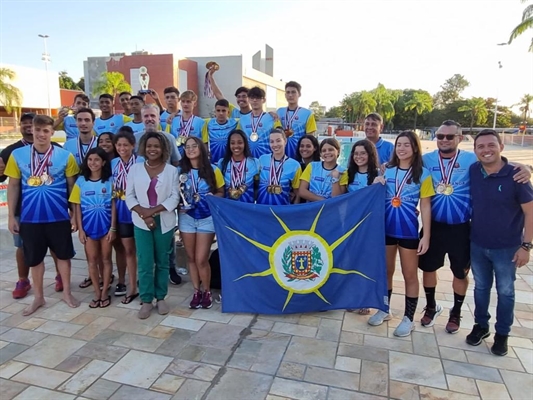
(277, 189)
(396, 202)
(440, 188)
(34, 181)
(269, 189)
(289, 132)
(197, 197)
(448, 190)
(123, 197)
(234, 193)
(254, 137)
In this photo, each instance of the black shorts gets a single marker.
(38, 238)
(125, 231)
(453, 240)
(411, 244)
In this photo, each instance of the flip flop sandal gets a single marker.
(95, 303)
(86, 283)
(110, 282)
(130, 298)
(102, 302)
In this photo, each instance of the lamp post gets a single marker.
(46, 59)
(500, 66)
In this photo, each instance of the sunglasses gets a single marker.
(441, 136)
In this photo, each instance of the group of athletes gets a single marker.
(120, 178)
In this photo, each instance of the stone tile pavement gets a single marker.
(61, 353)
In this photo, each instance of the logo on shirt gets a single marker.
(90, 193)
(104, 190)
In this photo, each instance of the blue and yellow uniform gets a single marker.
(319, 178)
(265, 123)
(384, 150)
(201, 208)
(454, 208)
(360, 181)
(235, 112)
(289, 179)
(135, 126)
(122, 210)
(301, 124)
(111, 124)
(70, 127)
(45, 203)
(74, 146)
(95, 199)
(402, 222)
(251, 173)
(163, 119)
(218, 136)
(197, 127)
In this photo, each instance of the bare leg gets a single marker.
(391, 264)
(460, 286)
(92, 251)
(121, 260)
(429, 279)
(131, 262)
(54, 257)
(189, 242)
(105, 256)
(37, 274)
(64, 270)
(22, 268)
(203, 246)
(409, 262)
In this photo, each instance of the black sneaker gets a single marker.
(478, 333)
(175, 279)
(120, 289)
(499, 348)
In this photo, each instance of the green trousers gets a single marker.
(153, 249)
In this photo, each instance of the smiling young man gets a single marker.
(136, 104)
(373, 128)
(86, 139)
(108, 122)
(218, 129)
(42, 177)
(297, 121)
(124, 99)
(502, 232)
(241, 97)
(172, 101)
(67, 122)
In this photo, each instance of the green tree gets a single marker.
(420, 103)
(81, 83)
(385, 99)
(451, 90)
(111, 83)
(317, 110)
(66, 82)
(476, 108)
(357, 105)
(524, 25)
(503, 119)
(524, 106)
(334, 112)
(10, 95)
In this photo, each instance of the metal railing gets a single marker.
(517, 139)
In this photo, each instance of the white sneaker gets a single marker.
(182, 271)
(379, 317)
(405, 328)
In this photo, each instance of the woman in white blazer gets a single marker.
(152, 195)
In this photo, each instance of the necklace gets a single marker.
(152, 166)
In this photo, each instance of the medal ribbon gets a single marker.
(237, 173)
(402, 184)
(194, 184)
(24, 142)
(254, 125)
(447, 172)
(123, 169)
(275, 173)
(288, 120)
(38, 165)
(82, 153)
(185, 128)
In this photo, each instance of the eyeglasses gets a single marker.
(441, 136)
(191, 147)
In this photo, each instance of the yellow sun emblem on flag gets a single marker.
(301, 261)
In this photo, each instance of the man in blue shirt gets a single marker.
(373, 128)
(502, 231)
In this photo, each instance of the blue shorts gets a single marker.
(188, 224)
(17, 241)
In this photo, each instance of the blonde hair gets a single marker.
(189, 95)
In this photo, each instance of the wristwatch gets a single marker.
(527, 246)
(335, 180)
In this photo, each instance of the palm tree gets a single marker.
(421, 102)
(527, 23)
(357, 105)
(111, 83)
(385, 100)
(477, 108)
(524, 106)
(10, 96)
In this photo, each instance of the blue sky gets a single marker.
(330, 47)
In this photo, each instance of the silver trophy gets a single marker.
(185, 193)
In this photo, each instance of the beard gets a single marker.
(447, 151)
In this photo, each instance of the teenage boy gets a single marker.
(108, 122)
(67, 122)
(124, 99)
(172, 100)
(42, 176)
(218, 130)
(136, 104)
(86, 139)
(241, 96)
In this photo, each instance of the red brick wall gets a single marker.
(67, 96)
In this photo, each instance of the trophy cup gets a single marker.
(185, 193)
(144, 80)
(208, 90)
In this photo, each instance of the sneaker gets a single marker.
(499, 348)
(196, 301)
(207, 301)
(59, 284)
(22, 288)
(145, 311)
(120, 289)
(174, 278)
(182, 271)
(218, 300)
(162, 307)
(430, 315)
(478, 333)
(405, 328)
(454, 323)
(379, 317)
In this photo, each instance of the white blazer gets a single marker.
(167, 188)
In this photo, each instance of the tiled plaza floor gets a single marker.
(61, 353)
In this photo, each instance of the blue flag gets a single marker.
(315, 256)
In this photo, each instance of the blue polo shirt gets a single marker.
(384, 150)
(497, 216)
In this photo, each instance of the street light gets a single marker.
(500, 66)
(46, 59)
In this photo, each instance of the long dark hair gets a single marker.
(205, 169)
(316, 153)
(227, 156)
(106, 168)
(114, 153)
(416, 162)
(372, 166)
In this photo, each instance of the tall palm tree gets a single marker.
(111, 83)
(421, 102)
(477, 108)
(10, 96)
(525, 101)
(385, 100)
(357, 105)
(527, 23)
